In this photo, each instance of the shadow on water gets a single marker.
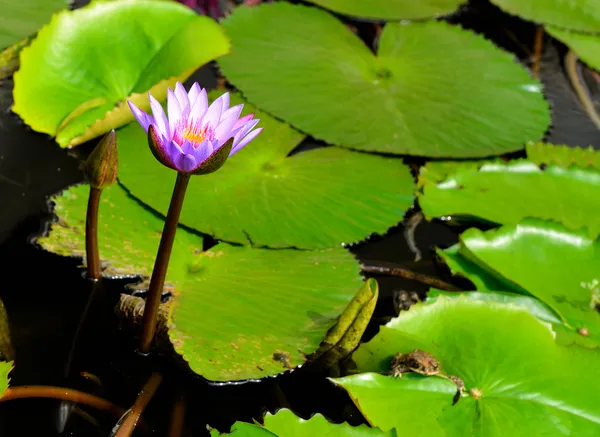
(44, 294)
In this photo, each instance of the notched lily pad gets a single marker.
(424, 74)
(311, 200)
(286, 424)
(585, 45)
(516, 388)
(391, 9)
(507, 193)
(564, 156)
(75, 76)
(20, 19)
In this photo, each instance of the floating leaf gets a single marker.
(564, 156)
(76, 74)
(586, 46)
(314, 199)
(128, 233)
(517, 388)
(507, 193)
(239, 313)
(20, 19)
(558, 266)
(391, 9)
(433, 89)
(5, 369)
(581, 15)
(286, 424)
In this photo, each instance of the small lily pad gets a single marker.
(583, 15)
(238, 313)
(557, 265)
(391, 9)
(5, 369)
(286, 424)
(75, 76)
(564, 156)
(325, 81)
(262, 196)
(19, 19)
(519, 388)
(585, 45)
(507, 193)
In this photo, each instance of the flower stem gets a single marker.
(177, 416)
(161, 264)
(91, 234)
(130, 420)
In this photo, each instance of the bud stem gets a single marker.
(91, 234)
(161, 264)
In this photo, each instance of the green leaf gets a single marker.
(583, 15)
(20, 19)
(558, 266)
(286, 424)
(564, 156)
(507, 193)
(433, 89)
(128, 233)
(314, 199)
(248, 313)
(391, 9)
(519, 381)
(238, 313)
(75, 76)
(586, 46)
(5, 369)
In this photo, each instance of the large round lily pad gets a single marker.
(391, 9)
(432, 89)
(286, 424)
(519, 382)
(19, 19)
(313, 199)
(75, 76)
(238, 313)
(583, 15)
(507, 193)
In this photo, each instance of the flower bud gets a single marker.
(101, 167)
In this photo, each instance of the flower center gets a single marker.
(193, 133)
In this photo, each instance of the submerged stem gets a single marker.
(91, 234)
(177, 416)
(67, 394)
(132, 417)
(395, 270)
(161, 264)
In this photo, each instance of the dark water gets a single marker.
(45, 294)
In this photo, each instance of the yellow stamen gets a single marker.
(194, 133)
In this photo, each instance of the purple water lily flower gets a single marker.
(195, 138)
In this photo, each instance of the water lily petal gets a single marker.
(142, 117)
(188, 164)
(173, 109)
(242, 121)
(245, 141)
(160, 119)
(233, 111)
(194, 93)
(213, 115)
(199, 107)
(182, 96)
(188, 147)
(204, 150)
(223, 131)
(243, 130)
(173, 151)
(225, 103)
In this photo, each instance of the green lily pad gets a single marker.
(327, 83)
(583, 15)
(20, 19)
(507, 193)
(524, 387)
(5, 369)
(286, 424)
(585, 45)
(238, 313)
(128, 233)
(313, 199)
(564, 156)
(391, 9)
(75, 76)
(557, 265)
